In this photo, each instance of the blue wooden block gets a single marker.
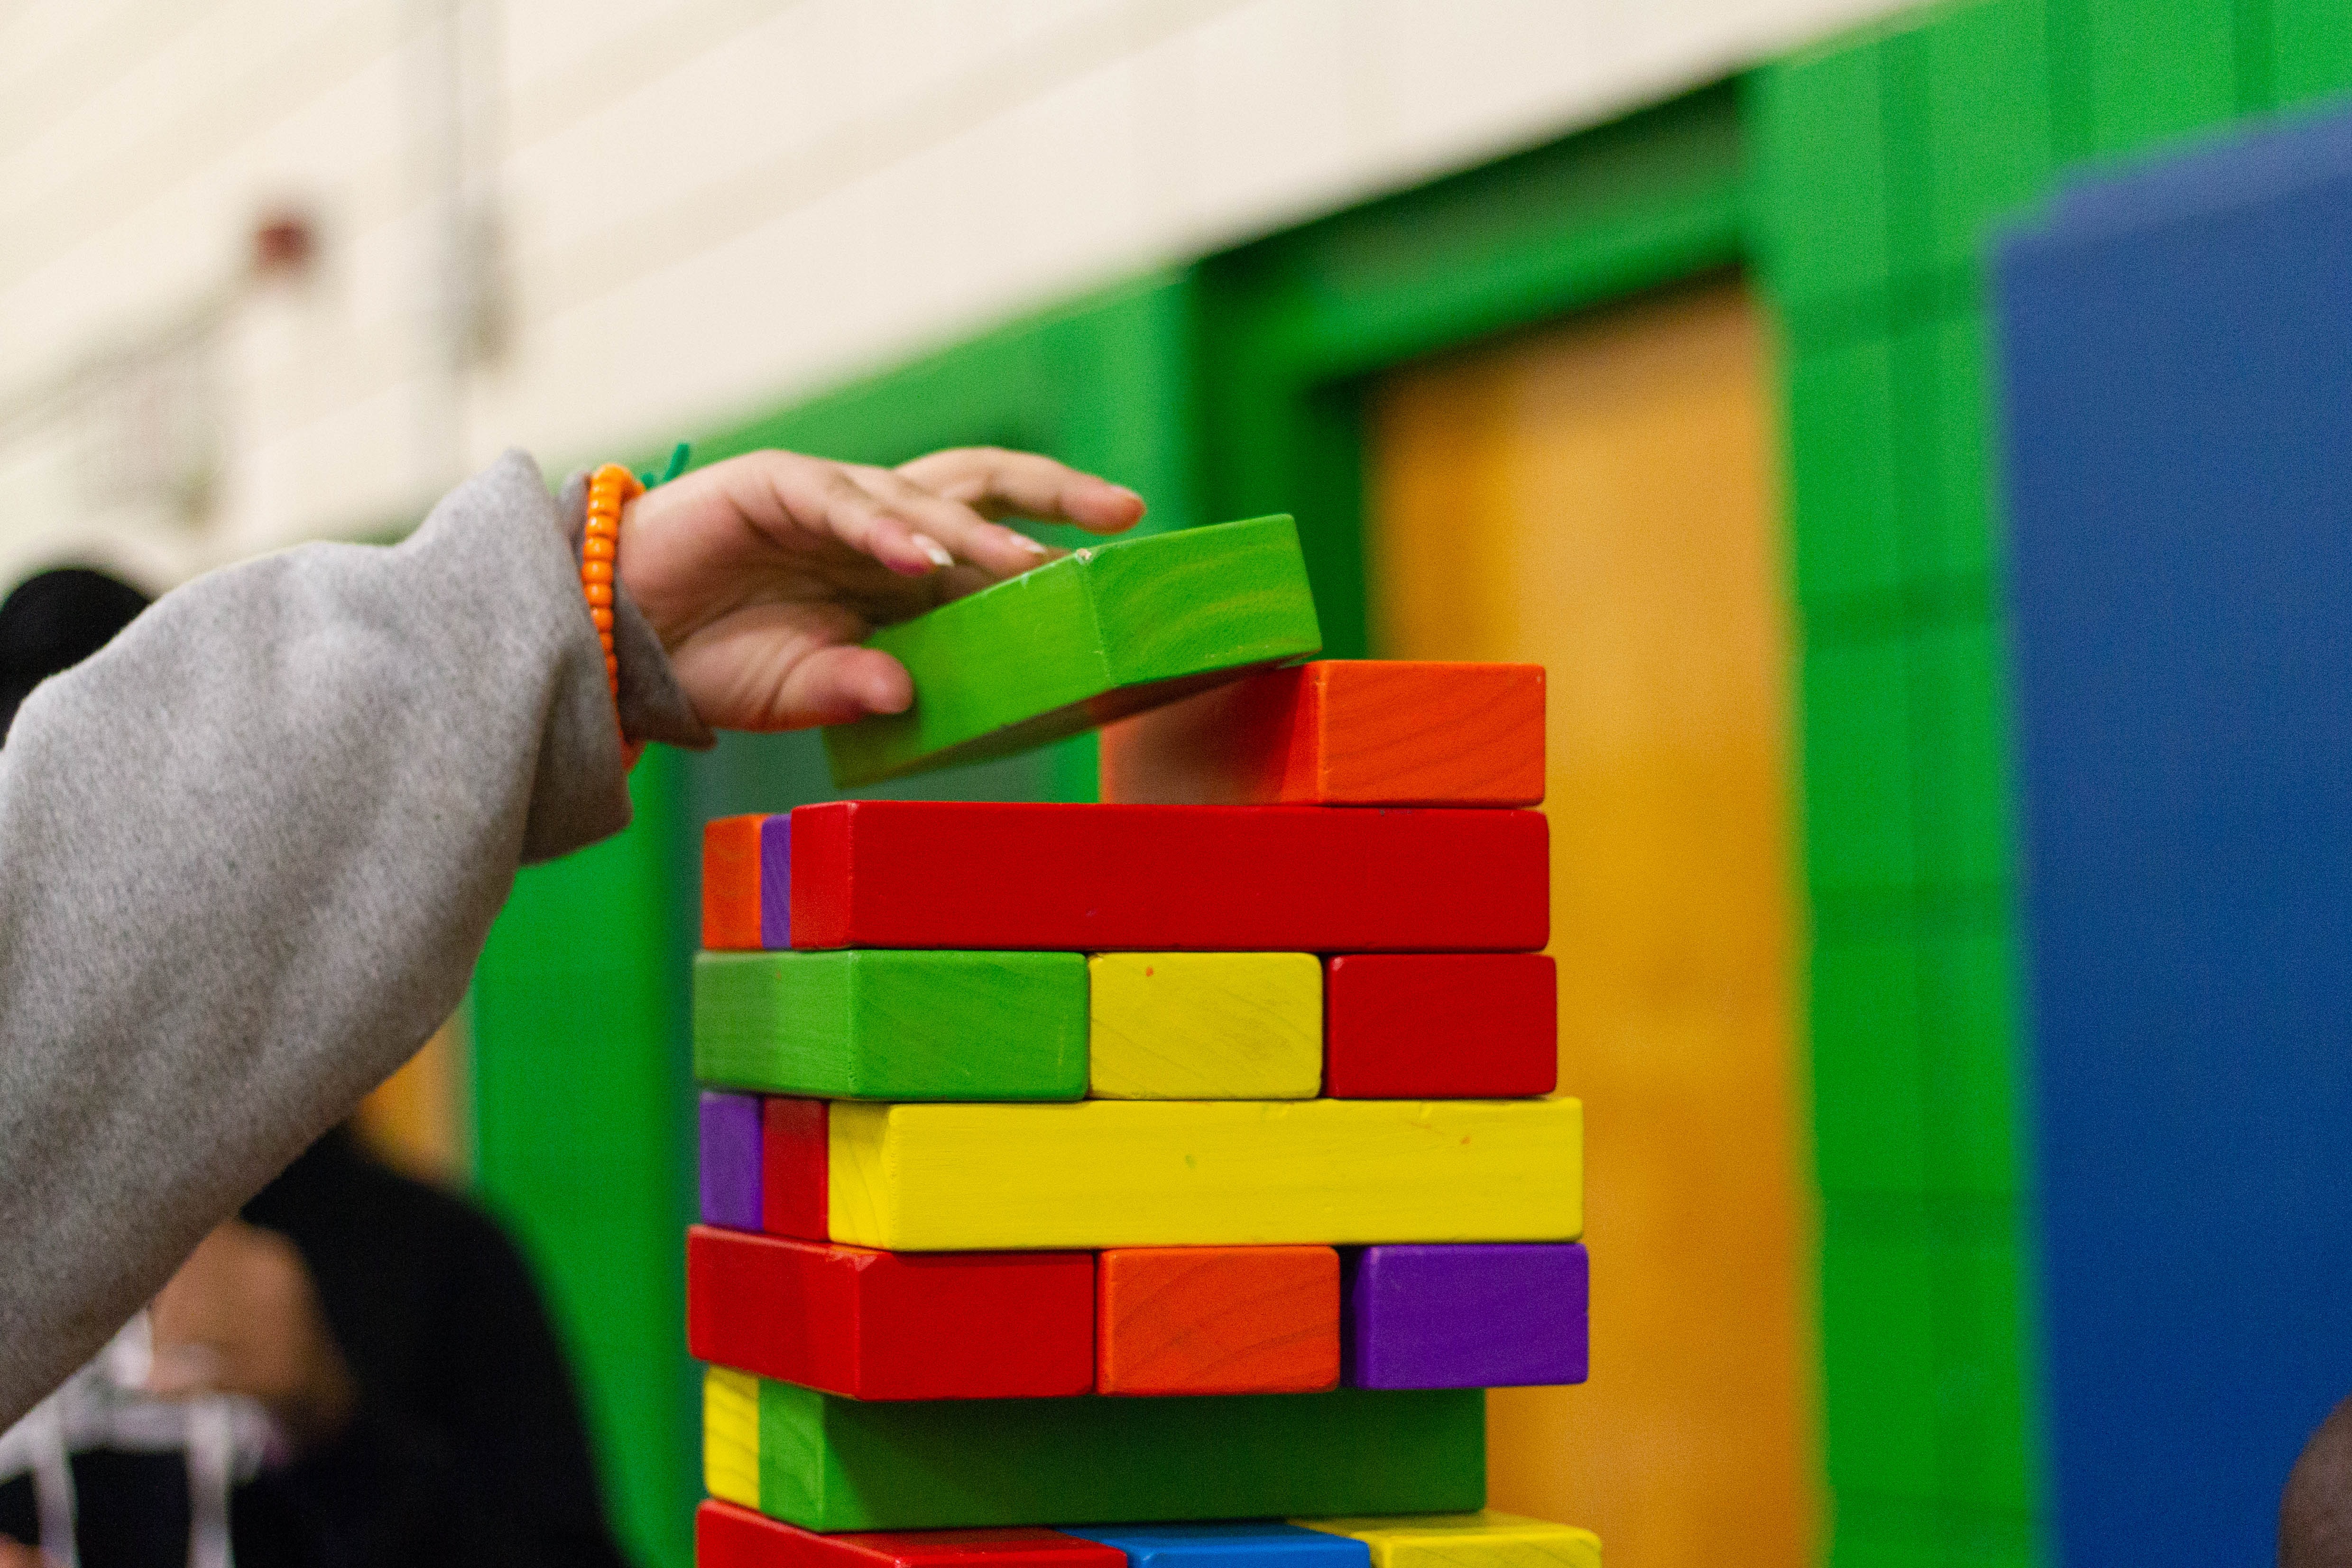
(1245, 1545)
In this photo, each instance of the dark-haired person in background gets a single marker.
(403, 1398)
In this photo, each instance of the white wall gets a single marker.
(699, 208)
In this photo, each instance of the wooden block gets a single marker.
(1346, 733)
(728, 1158)
(877, 1325)
(1103, 632)
(1440, 1025)
(1158, 1173)
(1255, 1545)
(744, 878)
(1217, 1320)
(794, 1164)
(1091, 879)
(832, 1464)
(728, 1536)
(1467, 1317)
(892, 1024)
(1483, 1540)
(1204, 1025)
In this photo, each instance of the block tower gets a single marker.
(1140, 1183)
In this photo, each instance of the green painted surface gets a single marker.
(2310, 49)
(1821, 171)
(1857, 762)
(1108, 631)
(828, 1463)
(1879, 1361)
(2159, 68)
(1867, 1050)
(1840, 433)
(1986, 141)
(1961, 812)
(872, 1024)
(584, 1141)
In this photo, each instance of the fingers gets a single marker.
(963, 533)
(13, 1555)
(998, 483)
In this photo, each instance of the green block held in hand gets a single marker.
(1100, 633)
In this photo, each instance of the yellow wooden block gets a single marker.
(1160, 1172)
(1483, 1540)
(1204, 1025)
(730, 1436)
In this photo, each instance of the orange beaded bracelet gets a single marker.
(610, 488)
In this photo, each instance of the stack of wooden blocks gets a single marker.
(1161, 1172)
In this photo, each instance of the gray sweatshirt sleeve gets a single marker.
(248, 855)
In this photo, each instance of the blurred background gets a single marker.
(1648, 340)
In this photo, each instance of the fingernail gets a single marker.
(1033, 546)
(936, 553)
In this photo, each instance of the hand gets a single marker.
(14, 1556)
(242, 1316)
(761, 574)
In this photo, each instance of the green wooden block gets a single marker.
(1878, 1362)
(1968, 1023)
(1987, 98)
(1820, 170)
(2310, 49)
(1959, 728)
(831, 1464)
(891, 1024)
(1965, 538)
(2159, 68)
(1841, 439)
(1857, 778)
(1870, 1116)
(1105, 632)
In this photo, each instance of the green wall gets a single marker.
(1880, 164)
(1857, 180)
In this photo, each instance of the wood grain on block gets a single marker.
(728, 1156)
(830, 1464)
(876, 873)
(730, 1436)
(1467, 1317)
(744, 878)
(1440, 1025)
(1485, 1539)
(1104, 632)
(1149, 1173)
(728, 1536)
(863, 1025)
(1343, 733)
(880, 1325)
(1226, 1545)
(1216, 1320)
(1204, 1025)
(795, 1167)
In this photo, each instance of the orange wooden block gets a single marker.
(1343, 733)
(1216, 1320)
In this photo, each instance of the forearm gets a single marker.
(251, 852)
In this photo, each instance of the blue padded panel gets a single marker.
(2178, 354)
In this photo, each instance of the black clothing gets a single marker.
(467, 1447)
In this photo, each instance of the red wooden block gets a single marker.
(1440, 1025)
(1217, 1320)
(730, 881)
(1343, 733)
(876, 873)
(726, 1536)
(889, 1325)
(794, 1184)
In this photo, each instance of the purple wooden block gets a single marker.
(1466, 1316)
(776, 882)
(731, 1160)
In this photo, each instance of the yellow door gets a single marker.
(1599, 498)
